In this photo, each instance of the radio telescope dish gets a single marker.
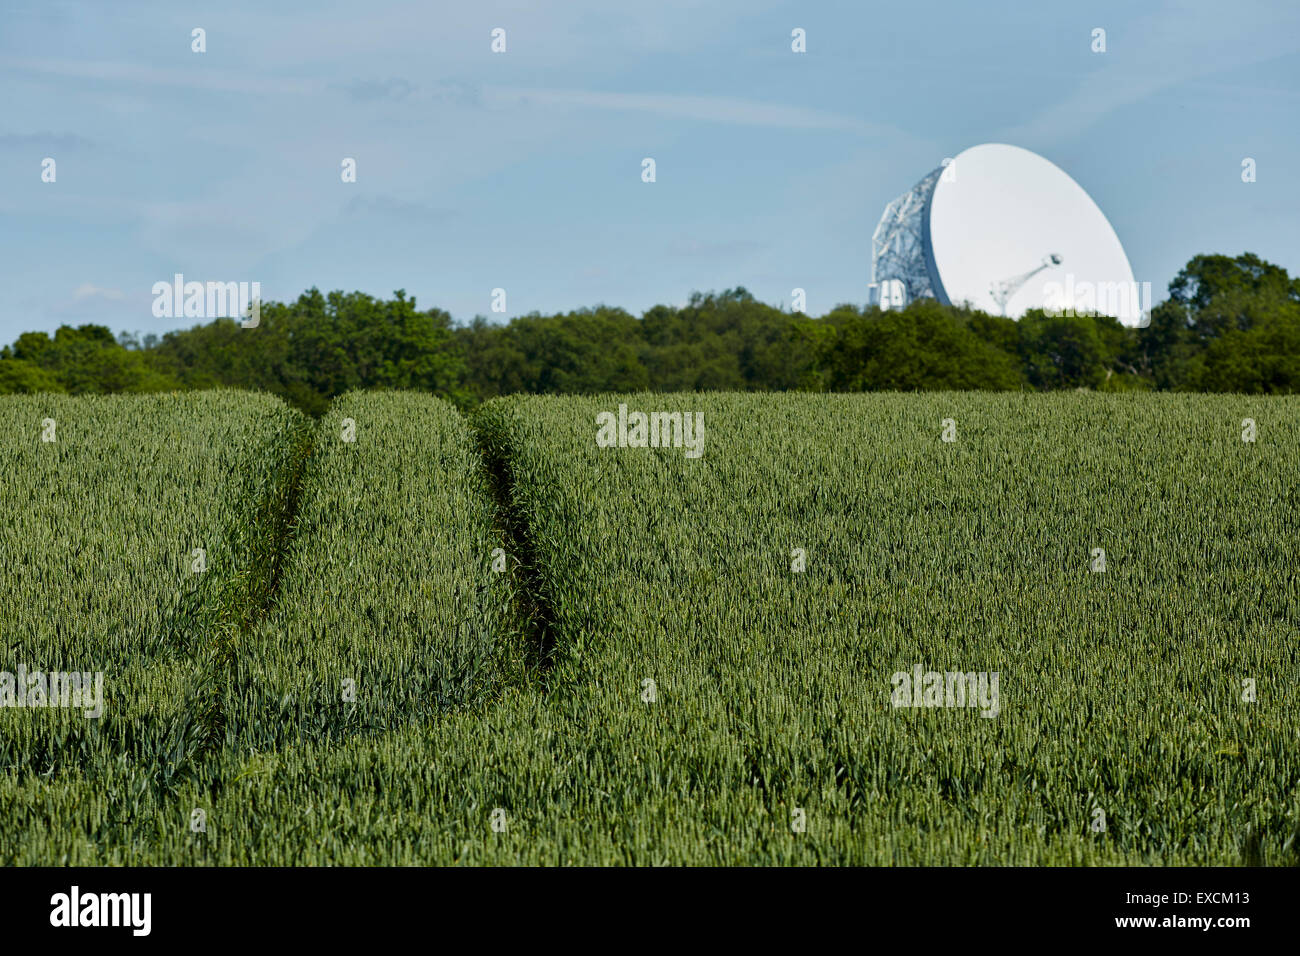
(1003, 230)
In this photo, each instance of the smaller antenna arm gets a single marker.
(1003, 289)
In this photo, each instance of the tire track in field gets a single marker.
(533, 610)
(243, 602)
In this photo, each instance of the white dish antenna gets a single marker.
(1004, 230)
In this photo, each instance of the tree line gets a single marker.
(1228, 325)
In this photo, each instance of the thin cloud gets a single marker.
(360, 207)
(90, 301)
(713, 249)
(90, 291)
(53, 140)
(395, 88)
(200, 78)
(716, 109)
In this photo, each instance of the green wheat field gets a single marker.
(403, 635)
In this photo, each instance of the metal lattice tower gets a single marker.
(897, 245)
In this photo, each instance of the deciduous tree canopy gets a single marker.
(1229, 325)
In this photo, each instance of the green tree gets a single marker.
(86, 360)
(924, 346)
(21, 377)
(1229, 324)
(1063, 351)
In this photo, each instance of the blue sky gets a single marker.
(522, 170)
